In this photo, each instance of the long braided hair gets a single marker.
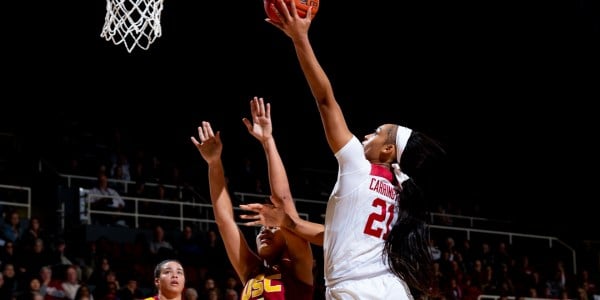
(406, 247)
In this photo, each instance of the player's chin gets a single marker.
(265, 245)
(177, 287)
(265, 249)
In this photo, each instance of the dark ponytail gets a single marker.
(407, 248)
(407, 245)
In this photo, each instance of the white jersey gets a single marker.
(360, 213)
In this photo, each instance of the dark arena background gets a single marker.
(508, 87)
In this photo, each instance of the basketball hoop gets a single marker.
(134, 23)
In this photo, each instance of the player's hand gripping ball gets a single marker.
(302, 7)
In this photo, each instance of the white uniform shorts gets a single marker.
(382, 287)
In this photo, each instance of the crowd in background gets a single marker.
(34, 261)
(42, 262)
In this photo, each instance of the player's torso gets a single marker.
(356, 226)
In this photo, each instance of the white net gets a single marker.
(134, 23)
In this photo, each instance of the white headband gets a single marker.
(402, 136)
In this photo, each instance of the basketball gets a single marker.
(301, 6)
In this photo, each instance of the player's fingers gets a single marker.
(251, 206)
(260, 102)
(309, 12)
(284, 13)
(276, 24)
(208, 129)
(249, 217)
(253, 106)
(293, 11)
(255, 223)
(268, 110)
(201, 134)
(247, 124)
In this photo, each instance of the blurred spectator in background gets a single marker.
(130, 291)
(13, 228)
(160, 248)
(190, 294)
(102, 197)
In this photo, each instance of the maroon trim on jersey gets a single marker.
(381, 171)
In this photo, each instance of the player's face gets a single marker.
(375, 142)
(171, 281)
(270, 242)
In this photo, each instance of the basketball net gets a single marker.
(134, 23)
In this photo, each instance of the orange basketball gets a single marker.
(301, 6)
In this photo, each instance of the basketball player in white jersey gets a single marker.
(373, 247)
